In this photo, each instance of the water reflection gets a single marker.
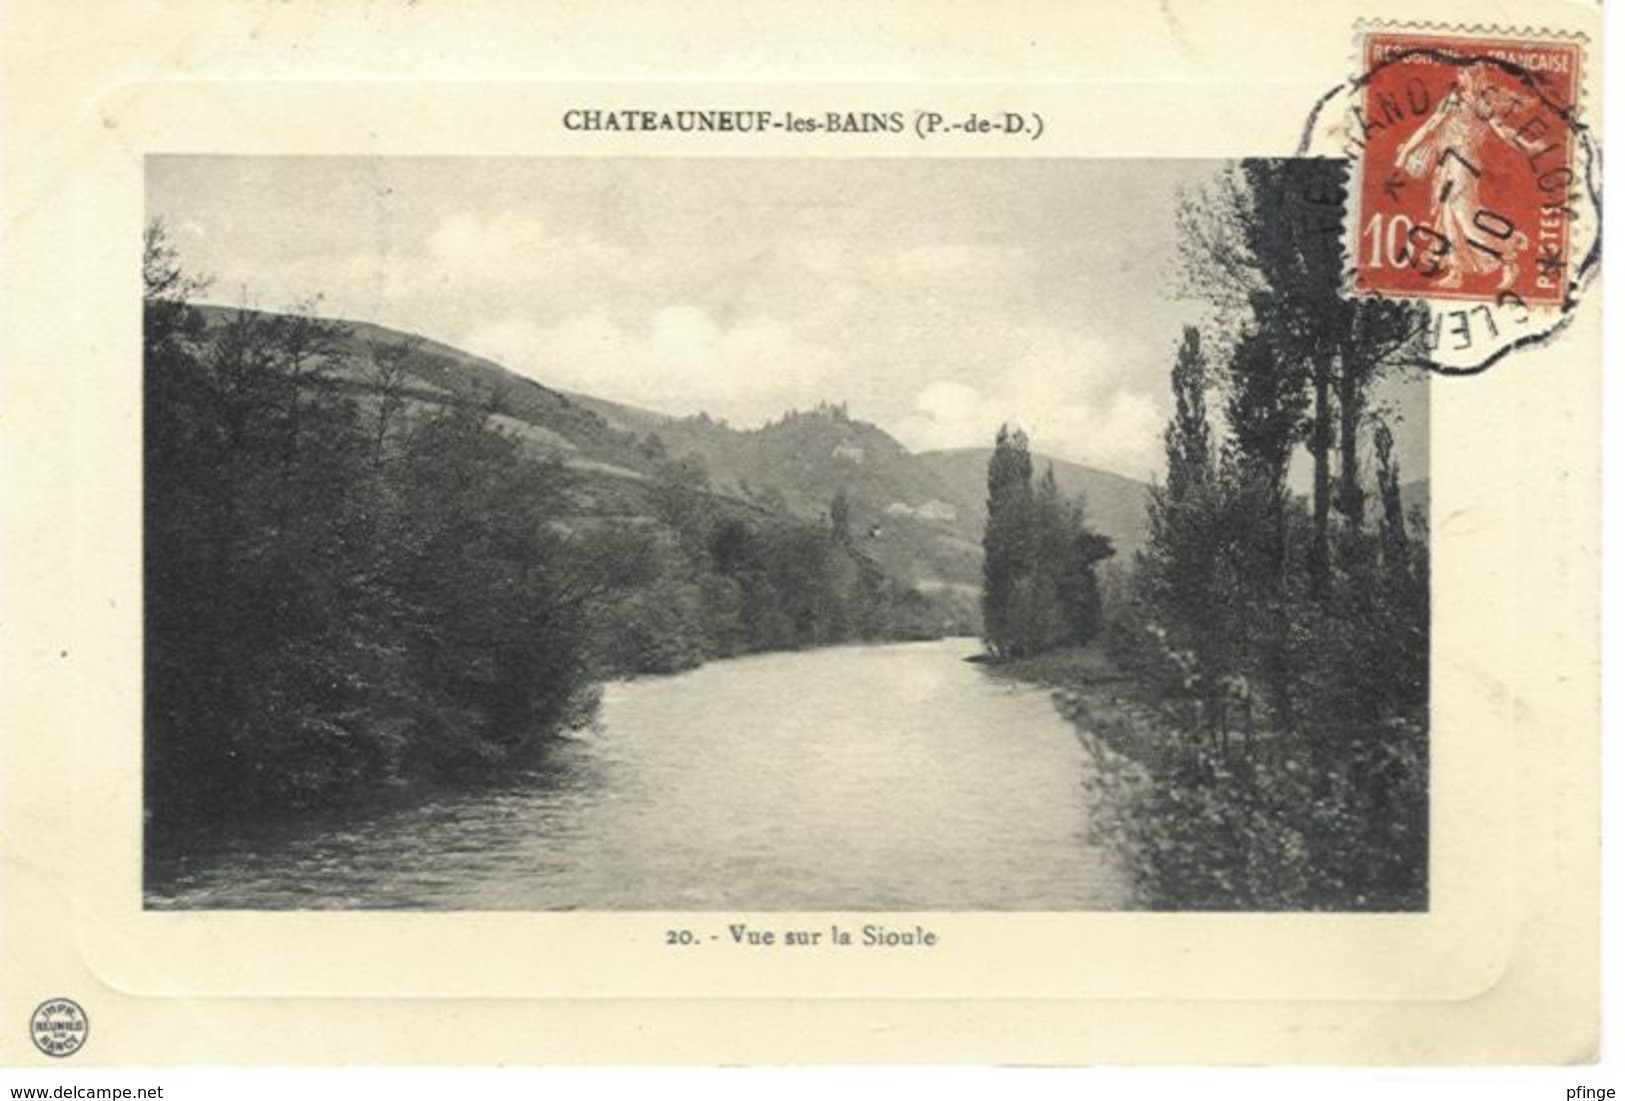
(870, 777)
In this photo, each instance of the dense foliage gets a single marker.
(1283, 643)
(706, 577)
(353, 589)
(1270, 747)
(1039, 588)
(339, 597)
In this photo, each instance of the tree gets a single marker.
(352, 589)
(390, 367)
(1264, 410)
(682, 503)
(1245, 609)
(1007, 542)
(326, 615)
(840, 516)
(1187, 440)
(1380, 336)
(1043, 619)
(1394, 541)
(1293, 229)
(1177, 563)
(1263, 244)
(168, 320)
(1038, 572)
(1076, 580)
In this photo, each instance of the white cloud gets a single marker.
(1120, 431)
(679, 360)
(946, 402)
(1070, 389)
(465, 239)
(509, 252)
(1123, 433)
(939, 341)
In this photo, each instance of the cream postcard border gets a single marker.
(1508, 946)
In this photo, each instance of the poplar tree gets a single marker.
(1264, 245)
(1393, 513)
(1178, 558)
(1039, 587)
(1006, 542)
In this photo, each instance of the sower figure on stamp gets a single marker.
(1449, 145)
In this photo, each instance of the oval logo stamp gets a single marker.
(1474, 186)
(59, 1027)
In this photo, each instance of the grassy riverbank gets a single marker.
(1098, 697)
(1238, 823)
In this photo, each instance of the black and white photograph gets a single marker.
(626, 534)
(1016, 542)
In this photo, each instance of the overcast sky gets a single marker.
(938, 298)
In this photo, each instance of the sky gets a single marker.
(938, 298)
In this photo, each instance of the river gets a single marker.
(895, 777)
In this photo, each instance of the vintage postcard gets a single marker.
(1043, 535)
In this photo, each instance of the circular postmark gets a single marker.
(1473, 187)
(59, 1027)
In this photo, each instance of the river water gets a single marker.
(896, 777)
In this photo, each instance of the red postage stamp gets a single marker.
(1467, 182)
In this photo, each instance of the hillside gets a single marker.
(919, 516)
(900, 508)
(1113, 505)
(376, 566)
(547, 420)
(923, 513)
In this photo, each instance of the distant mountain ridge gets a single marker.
(923, 512)
(919, 515)
(1113, 504)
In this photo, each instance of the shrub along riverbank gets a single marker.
(1237, 822)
